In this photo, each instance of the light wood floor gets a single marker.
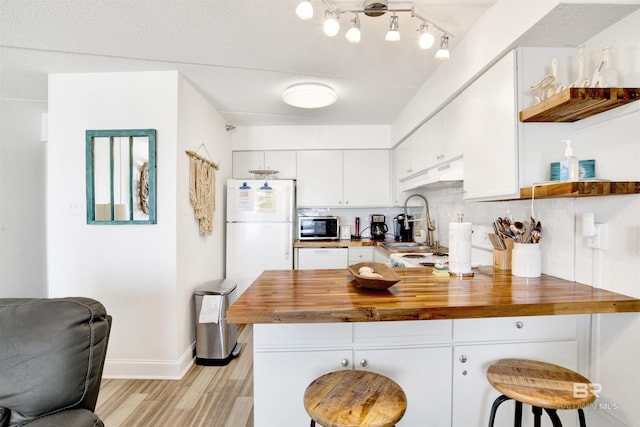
(211, 396)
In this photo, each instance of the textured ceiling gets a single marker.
(241, 54)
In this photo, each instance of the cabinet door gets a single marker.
(280, 379)
(434, 140)
(319, 175)
(282, 161)
(473, 395)
(425, 376)
(357, 255)
(402, 160)
(244, 161)
(366, 178)
(452, 124)
(490, 134)
(379, 256)
(418, 149)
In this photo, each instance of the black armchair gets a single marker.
(52, 353)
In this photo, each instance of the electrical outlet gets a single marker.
(479, 238)
(599, 240)
(75, 208)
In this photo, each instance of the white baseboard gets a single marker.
(603, 418)
(150, 369)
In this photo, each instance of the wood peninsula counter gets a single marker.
(434, 336)
(315, 296)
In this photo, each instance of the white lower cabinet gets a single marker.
(477, 343)
(287, 359)
(423, 373)
(280, 379)
(440, 364)
(321, 258)
(473, 395)
(360, 254)
(379, 256)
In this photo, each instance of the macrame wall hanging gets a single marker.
(202, 190)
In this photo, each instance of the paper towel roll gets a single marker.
(460, 247)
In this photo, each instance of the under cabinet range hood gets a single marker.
(446, 174)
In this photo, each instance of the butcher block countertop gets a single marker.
(330, 296)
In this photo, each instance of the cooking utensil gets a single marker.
(496, 241)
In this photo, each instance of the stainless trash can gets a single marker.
(216, 340)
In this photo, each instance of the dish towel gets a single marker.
(210, 309)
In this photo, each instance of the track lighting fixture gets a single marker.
(375, 8)
(443, 53)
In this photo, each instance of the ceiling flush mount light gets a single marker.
(393, 35)
(309, 95)
(443, 53)
(375, 8)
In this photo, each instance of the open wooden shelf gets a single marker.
(575, 104)
(581, 189)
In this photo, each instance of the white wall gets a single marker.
(310, 137)
(141, 273)
(22, 199)
(199, 258)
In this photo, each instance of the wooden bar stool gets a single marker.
(352, 398)
(541, 385)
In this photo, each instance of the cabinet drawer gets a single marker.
(302, 335)
(516, 328)
(402, 333)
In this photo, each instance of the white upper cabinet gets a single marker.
(349, 178)
(319, 178)
(451, 123)
(282, 161)
(490, 133)
(410, 156)
(366, 178)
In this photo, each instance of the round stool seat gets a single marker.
(540, 384)
(352, 398)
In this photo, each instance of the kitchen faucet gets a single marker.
(427, 218)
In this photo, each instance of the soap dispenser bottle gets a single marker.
(569, 165)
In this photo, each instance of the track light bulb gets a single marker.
(353, 35)
(393, 35)
(304, 10)
(443, 53)
(426, 38)
(331, 24)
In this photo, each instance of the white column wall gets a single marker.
(131, 269)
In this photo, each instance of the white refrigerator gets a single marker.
(260, 233)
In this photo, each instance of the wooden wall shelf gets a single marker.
(582, 189)
(575, 104)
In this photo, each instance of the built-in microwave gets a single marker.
(318, 228)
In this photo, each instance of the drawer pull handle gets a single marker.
(464, 372)
(363, 363)
(519, 325)
(344, 363)
(463, 359)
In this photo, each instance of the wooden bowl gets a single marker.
(388, 279)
